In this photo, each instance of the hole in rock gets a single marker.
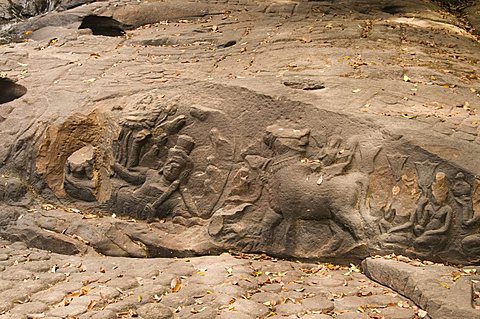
(393, 9)
(10, 90)
(103, 26)
(227, 44)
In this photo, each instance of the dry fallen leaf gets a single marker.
(48, 207)
(364, 294)
(407, 116)
(456, 275)
(444, 285)
(176, 284)
(471, 271)
(91, 304)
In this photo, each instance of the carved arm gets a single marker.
(135, 178)
(446, 224)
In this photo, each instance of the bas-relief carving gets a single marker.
(284, 193)
(163, 191)
(428, 225)
(443, 216)
(471, 242)
(79, 175)
(300, 188)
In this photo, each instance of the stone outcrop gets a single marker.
(442, 291)
(197, 130)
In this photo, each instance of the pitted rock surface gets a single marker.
(317, 130)
(40, 284)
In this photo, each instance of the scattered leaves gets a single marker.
(364, 294)
(127, 314)
(48, 207)
(471, 271)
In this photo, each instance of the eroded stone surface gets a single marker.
(207, 130)
(443, 291)
(60, 286)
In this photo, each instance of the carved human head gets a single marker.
(178, 159)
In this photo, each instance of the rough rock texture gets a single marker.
(442, 291)
(311, 129)
(39, 284)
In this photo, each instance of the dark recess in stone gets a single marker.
(103, 26)
(10, 91)
(227, 44)
(393, 9)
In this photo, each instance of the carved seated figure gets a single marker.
(428, 226)
(439, 215)
(163, 192)
(471, 243)
(79, 178)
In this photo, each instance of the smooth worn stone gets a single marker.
(136, 136)
(234, 315)
(352, 315)
(397, 313)
(65, 311)
(289, 308)
(319, 303)
(250, 307)
(154, 311)
(102, 314)
(29, 308)
(426, 286)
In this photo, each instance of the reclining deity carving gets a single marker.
(163, 192)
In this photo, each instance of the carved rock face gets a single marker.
(197, 142)
(283, 188)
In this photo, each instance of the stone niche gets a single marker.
(258, 174)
